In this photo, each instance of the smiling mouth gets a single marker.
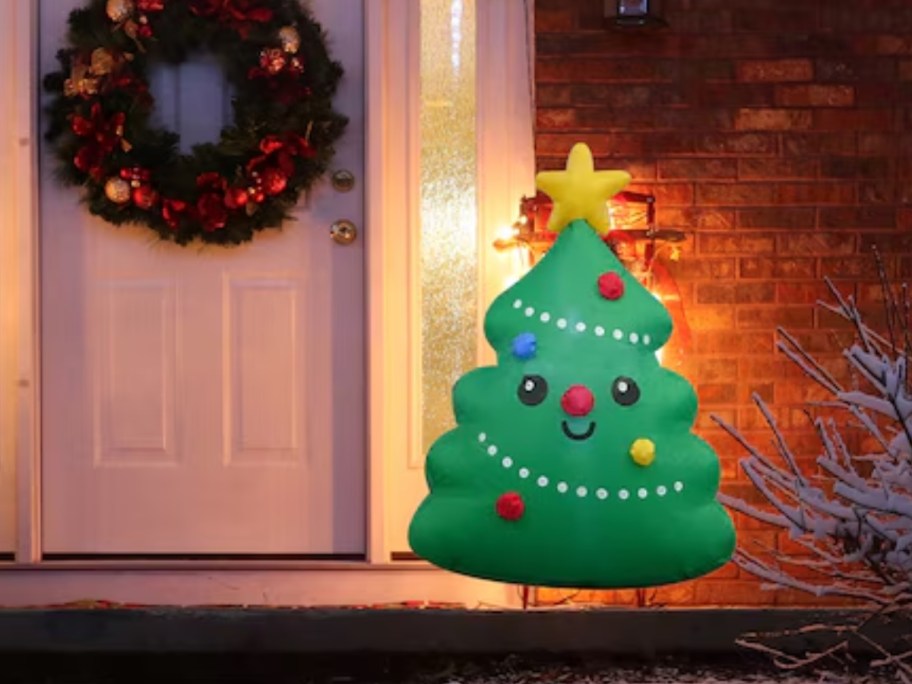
(579, 436)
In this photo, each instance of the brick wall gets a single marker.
(778, 135)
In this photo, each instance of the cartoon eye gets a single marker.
(532, 390)
(625, 391)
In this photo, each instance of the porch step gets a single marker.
(262, 631)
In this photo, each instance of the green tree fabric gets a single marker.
(573, 462)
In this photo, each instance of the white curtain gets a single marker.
(505, 125)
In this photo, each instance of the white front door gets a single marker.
(205, 400)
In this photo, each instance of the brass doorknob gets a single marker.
(343, 232)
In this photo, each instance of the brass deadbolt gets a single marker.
(343, 180)
(343, 231)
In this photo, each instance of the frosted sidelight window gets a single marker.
(449, 275)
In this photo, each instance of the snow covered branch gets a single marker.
(849, 511)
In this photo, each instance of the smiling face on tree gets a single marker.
(573, 462)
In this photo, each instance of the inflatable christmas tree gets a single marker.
(573, 462)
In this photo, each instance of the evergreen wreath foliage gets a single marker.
(275, 58)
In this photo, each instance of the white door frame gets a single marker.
(391, 33)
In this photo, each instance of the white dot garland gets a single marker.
(633, 338)
(581, 491)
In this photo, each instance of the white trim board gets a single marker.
(19, 377)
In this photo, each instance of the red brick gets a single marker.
(773, 317)
(786, 218)
(680, 119)
(736, 143)
(709, 394)
(869, 17)
(553, 20)
(777, 267)
(705, 422)
(874, 144)
(856, 167)
(559, 144)
(800, 144)
(776, 70)
(746, 492)
(690, 217)
(727, 571)
(815, 243)
(905, 70)
(568, 68)
(756, 20)
(746, 522)
(801, 293)
(555, 118)
(849, 70)
(868, 293)
(773, 119)
(772, 169)
(727, 94)
(639, 169)
(824, 341)
(606, 119)
(904, 218)
(727, 341)
(903, 194)
(711, 317)
(671, 194)
(873, 95)
(735, 243)
(857, 217)
(615, 96)
(697, 71)
(815, 96)
(815, 193)
(751, 418)
(759, 541)
(665, 144)
(702, 268)
(547, 95)
(727, 45)
(849, 267)
(736, 193)
(732, 593)
(619, 43)
(680, 594)
(877, 192)
(697, 168)
(793, 597)
(717, 369)
(885, 44)
(887, 243)
(852, 119)
(763, 367)
(730, 293)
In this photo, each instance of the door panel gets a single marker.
(205, 400)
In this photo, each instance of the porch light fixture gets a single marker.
(632, 13)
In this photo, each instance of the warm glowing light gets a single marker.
(510, 280)
(659, 353)
(504, 233)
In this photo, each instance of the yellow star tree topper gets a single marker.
(581, 192)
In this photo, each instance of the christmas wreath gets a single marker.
(281, 141)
